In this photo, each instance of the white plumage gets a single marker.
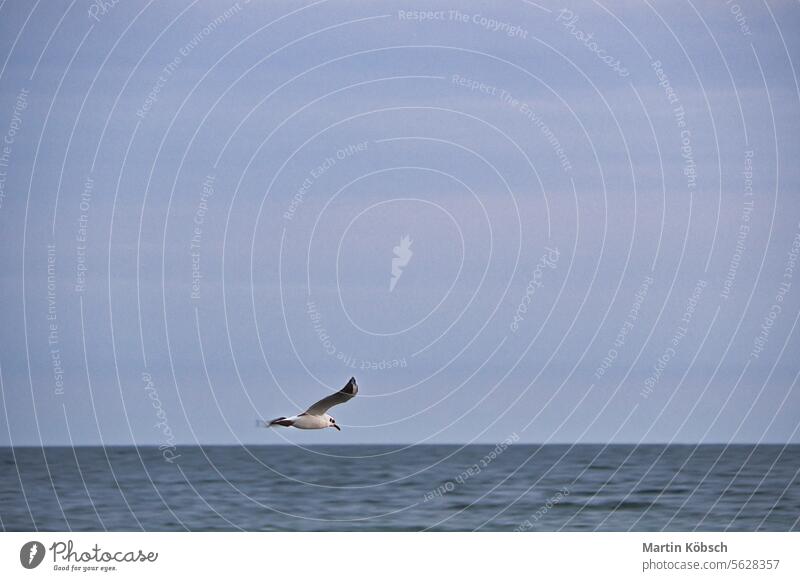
(316, 416)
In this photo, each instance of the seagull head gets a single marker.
(332, 423)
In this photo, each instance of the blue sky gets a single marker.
(242, 173)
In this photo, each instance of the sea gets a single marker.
(402, 488)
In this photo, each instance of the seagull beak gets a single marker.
(337, 427)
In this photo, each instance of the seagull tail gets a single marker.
(281, 421)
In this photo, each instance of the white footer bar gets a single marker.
(356, 556)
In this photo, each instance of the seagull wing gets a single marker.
(347, 393)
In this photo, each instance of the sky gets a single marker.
(569, 222)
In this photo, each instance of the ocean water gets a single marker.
(382, 488)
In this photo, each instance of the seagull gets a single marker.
(316, 417)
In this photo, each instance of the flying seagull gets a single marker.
(316, 417)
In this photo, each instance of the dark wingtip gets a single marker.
(351, 387)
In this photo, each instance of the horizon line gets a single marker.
(407, 444)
